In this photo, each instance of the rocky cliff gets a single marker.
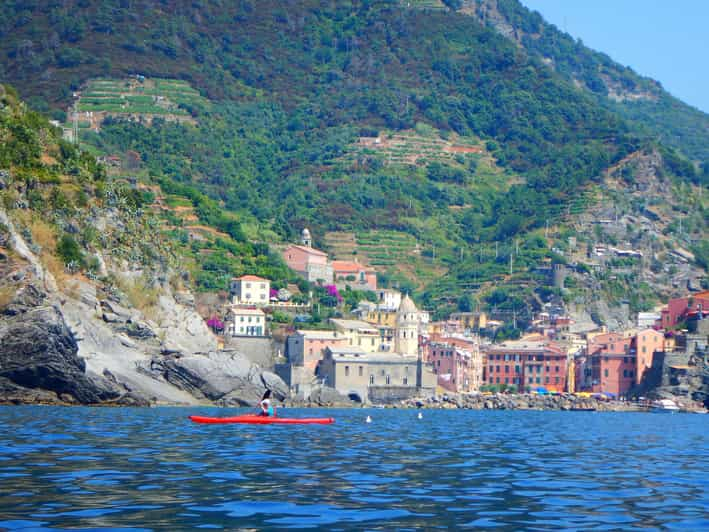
(79, 342)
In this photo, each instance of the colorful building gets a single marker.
(457, 362)
(527, 365)
(645, 345)
(307, 261)
(681, 308)
(355, 275)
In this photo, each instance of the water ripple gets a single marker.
(152, 469)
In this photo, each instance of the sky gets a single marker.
(661, 39)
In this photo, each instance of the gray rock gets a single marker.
(273, 382)
(114, 308)
(38, 351)
(223, 377)
(25, 299)
(110, 317)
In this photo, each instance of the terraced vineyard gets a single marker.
(423, 4)
(137, 98)
(413, 148)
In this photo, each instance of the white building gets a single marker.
(246, 322)
(389, 300)
(250, 290)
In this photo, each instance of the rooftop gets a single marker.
(349, 266)
(355, 325)
(246, 311)
(353, 354)
(306, 249)
(249, 278)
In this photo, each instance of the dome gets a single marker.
(407, 306)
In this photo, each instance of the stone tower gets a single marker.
(306, 239)
(407, 335)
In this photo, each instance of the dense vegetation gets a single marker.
(649, 108)
(293, 84)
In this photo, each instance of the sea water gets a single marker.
(153, 469)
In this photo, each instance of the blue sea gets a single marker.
(80, 468)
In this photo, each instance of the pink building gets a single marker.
(457, 362)
(309, 262)
(684, 307)
(354, 275)
(646, 344)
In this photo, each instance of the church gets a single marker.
(383, 375)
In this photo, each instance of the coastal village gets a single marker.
(390, 351)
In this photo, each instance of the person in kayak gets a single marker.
(266, 409)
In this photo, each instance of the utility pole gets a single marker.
(75, 124)
(510, 263)
(496, 248)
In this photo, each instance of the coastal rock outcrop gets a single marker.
(39, 352)
(227, 378)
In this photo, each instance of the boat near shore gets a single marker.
(664, 406)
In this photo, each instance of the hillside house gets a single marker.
(354, 275)
(250, 290)
(308, 262)
(242, 321)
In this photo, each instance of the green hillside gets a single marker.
(484, 145)
(639, 100)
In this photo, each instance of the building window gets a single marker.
(625, 373)
(406, 381)
(556, 380)
(361, 371)
(531, 380)
(347, 371)
(605, 372)
(556, 369)
(371, 379)
(539, 381)
(498, 380)
(388, 379)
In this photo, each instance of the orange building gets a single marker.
(354, 275)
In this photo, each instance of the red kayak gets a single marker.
(263, 420)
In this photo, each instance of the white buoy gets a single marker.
(368, 420)
(420, 416)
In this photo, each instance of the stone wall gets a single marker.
(394, 394)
